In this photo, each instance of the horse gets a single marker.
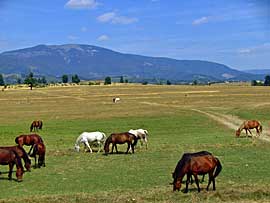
(140, 134)
(28, 140)
(120, 138)
(187, 156)
(195, 166)
(36, 125)
(22, 153)
(91, 137)
(10, 157)
(247, 125)
(116, 99)
(40, 150)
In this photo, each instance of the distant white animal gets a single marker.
(90, 137)
(140, 134)
(116, 99)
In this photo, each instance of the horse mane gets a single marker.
(135, 138)
(41, 124)
(18, 160)
(107, 143)
(25, 155)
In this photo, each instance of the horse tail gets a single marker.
(135, 139)
(40, 125)
(31, 127)
(107, 143)
(218, 168)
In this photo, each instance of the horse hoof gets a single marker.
(19, 180)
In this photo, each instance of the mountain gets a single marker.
(96, 62)
(258, 71)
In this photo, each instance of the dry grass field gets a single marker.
(179, 119)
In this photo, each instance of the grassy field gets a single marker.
(179, 119)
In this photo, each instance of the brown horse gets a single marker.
(36, 125)
(187, 156)
(28, 140)
(198, 165)
(120, 138)
(40, 150)
(22, 153)
(247, 125)
(10, 157)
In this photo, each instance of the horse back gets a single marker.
(202, 164)
(7, 156)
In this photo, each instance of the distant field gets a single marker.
(179, 119)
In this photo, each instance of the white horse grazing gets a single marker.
(90, 137)
(140, 134)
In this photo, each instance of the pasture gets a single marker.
(178, 118)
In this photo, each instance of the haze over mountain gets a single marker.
(94, 62)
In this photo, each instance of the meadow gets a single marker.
(179, 119)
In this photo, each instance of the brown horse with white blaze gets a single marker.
(11, 158)
(247, 125)
(198, 165)
(120, 138)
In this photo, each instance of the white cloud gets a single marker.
(201, 20)
(263, 48)
(112, 17)
(103, 38)
(81, 4)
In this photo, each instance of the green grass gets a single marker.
(144, 176)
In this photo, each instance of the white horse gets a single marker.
(140, 134)
(116, 99)
(90, 137)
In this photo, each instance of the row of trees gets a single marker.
(266, 82)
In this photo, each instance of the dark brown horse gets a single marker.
(120, 138)
(28, 140)
(187, 156)
(11, 158)
(198, 165)
(22, 153)
(36, 125)
(40, 150)
(247, 125)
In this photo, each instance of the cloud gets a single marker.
(263, 48)
(201, 20)
(112, 17)
(84, 29)
(81, 4)
(103, 38)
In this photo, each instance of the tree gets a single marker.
(30, 80)
(267, 80)
(2, 82)
(121, 79)
(65, 78)
(75, 79)
(169, 82)
(254, 83)
(108, 81)
(195, 82)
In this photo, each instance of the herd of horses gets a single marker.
(13, 155)
(190, 164)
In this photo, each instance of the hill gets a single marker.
(93, 62)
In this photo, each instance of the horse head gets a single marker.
(176, 184)
(19, 174)
(237, 133)
(77, 148)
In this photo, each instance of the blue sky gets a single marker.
(233, 32)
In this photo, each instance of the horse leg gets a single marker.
(146, 143)
(211, 177)
(11, 165)
(132, 147)
(116, 149)
(187, 182)
(99, 146)
(250, 132)
(202, 178)
(257, 131)
(87, 144)
(30, 150)
(128, 148)
(112, 148)
(197, 182)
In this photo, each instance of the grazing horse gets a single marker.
(116, 99)
(40, 150)
(28, 140)
(141, 134)
(36, 125)
(90, 137)
(198, 165)
(10, 157)
(187, 156)
(22, 153)
(120, 138)
(247, 125)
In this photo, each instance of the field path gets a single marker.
(232, 122)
